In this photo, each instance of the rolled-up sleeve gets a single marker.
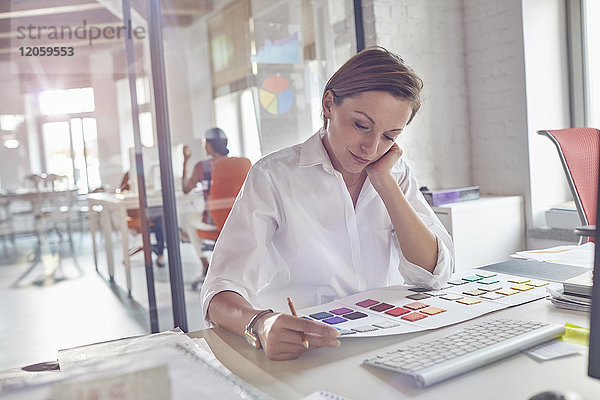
(412, 273)
(238, 262)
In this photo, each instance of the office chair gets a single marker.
(227, 177)
(578, 150)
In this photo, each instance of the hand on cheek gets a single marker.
(384, 165)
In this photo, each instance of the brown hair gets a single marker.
(375, 69)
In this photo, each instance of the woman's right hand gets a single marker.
(187, 153)
(281, 336)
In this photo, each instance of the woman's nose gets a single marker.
(369, 144)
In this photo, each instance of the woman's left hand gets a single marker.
(382, 168)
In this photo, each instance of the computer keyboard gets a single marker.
(469, 348)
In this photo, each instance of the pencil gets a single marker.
(293, 310)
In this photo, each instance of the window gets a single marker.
(69, 101)
(591, 57)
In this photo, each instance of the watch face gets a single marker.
(252, 339)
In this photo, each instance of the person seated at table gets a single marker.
(155, 224)
(216, 148)
(336, 215)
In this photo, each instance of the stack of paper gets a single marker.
(567, 301)
(581, 256)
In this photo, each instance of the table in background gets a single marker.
(340, 371)
(102, 206)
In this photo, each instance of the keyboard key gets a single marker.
(367, 303)
(382, 307)
(432, 310)
(468, 301)
(414, 316)
(418, 296)
(398, 311)
(416, 305)
(355, 315)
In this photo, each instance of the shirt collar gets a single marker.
(312, 152)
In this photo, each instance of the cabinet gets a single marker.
(484, 231)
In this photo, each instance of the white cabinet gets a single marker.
(484, 231)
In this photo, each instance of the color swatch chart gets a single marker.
(403, 309)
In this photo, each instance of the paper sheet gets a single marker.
(383, 324)
(554, 349)
(581, 256)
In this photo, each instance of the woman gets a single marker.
(338, 214)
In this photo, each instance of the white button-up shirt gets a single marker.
(294, 232)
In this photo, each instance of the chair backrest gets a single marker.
(578, 149)
(227, 177)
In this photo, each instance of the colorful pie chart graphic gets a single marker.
(276, 95)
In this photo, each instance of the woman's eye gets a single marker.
(389, 138)
(359, 126)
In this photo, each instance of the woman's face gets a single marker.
(363, 128)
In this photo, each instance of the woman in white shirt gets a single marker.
(338, 214)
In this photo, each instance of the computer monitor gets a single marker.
(594, 355)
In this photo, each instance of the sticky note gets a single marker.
(517, 279)
(366, 328)
(355, 315)
(576, 334)
(432, 310)
(492, 296)
(418, 296)
(451, 297)
(485, 274)
(488, 281)
(474, 292)
(334, 320)
(367, 303)
(414, 316)
(382, 307)
(321, 315)
(537, 283)
(340, 311)
(398, 311)
(468, 301)
(416, 305)
(385, 324)
(521, 287)
(507, 292)
(472, 278)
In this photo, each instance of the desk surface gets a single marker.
(340, 371)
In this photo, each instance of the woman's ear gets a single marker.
(328, 102)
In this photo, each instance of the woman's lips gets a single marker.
(360, 160)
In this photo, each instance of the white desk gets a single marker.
(340, 370)
(118, 204)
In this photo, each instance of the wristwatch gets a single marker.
(249, 334)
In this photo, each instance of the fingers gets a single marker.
(282, 336)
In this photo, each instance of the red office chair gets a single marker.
(578, 149)
(227, 177)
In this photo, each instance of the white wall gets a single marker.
(546, 70)
(428, 35)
